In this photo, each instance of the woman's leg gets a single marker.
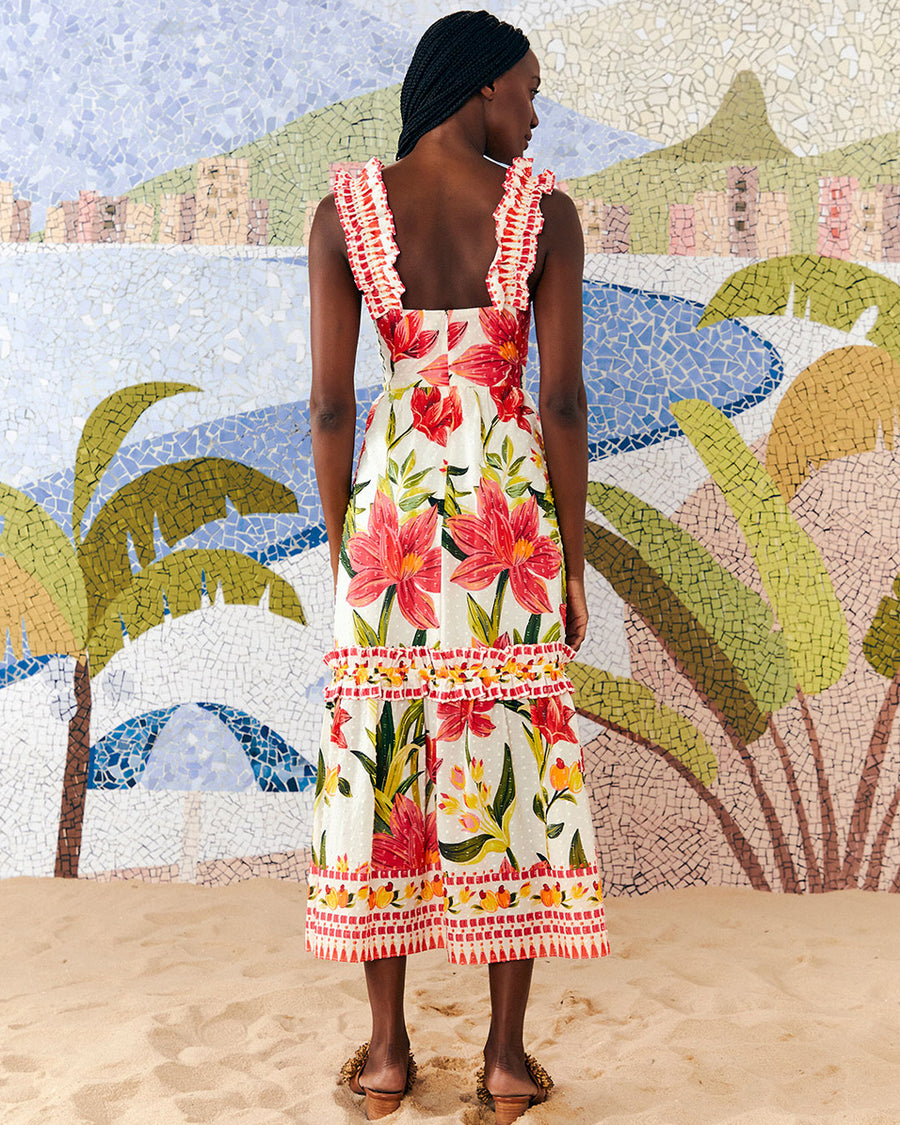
(389, 1046)
(504, 1052)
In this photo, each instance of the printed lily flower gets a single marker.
(339, 717)
(502, 360)
(412, 838)
(434, 414)
(402, 332)
(553, 719)
(510, 402)
(459, 714)
(497, 539)
(389, 554)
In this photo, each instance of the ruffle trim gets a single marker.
(520, 671)
(368, 226)
(518, 220)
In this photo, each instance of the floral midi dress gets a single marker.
(450, 802)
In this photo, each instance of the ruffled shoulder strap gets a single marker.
(518, 220)
(368, 225)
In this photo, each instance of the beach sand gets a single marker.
(136, 1004)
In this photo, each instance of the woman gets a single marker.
(450, 803)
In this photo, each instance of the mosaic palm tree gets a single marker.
(747, 657)
(81, 596)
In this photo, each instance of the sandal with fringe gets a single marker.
(509, 1107)
(379, 1103)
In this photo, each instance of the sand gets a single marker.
(135, 1004)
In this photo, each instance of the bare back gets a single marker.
(445, 231)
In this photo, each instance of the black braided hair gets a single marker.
(455, 57)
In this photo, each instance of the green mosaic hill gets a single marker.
(289, 166)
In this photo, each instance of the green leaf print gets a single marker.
(479, 622)
(553, 830)
(321, 858)
(532, 629)
(552, 634)
(363, 633)
(320, 776)
(384, 746)
(471, 851)
(506, 790)
(367, 763)
(449, 545)
(577, 858)
(344, 787)
(538, 805)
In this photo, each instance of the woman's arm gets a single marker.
(558, 318)
(334, 332)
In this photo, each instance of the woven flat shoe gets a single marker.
(509, 1107)
(379, 1103)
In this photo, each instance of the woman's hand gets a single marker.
(576, 613)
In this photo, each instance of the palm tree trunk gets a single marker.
(868, 781)
(737, 841)
(831, 863)
(813, 875)
(787, 873)
(876, 859)
(74, 789)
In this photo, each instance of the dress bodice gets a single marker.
(484, 345)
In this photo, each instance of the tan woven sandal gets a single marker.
(379, 1103)
(509, 1107)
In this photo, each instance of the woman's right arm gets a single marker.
(334, 332)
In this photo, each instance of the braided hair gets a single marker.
(455, 57)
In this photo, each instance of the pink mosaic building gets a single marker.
(838, 198)
(681, 229)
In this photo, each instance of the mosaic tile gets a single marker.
(736, 170)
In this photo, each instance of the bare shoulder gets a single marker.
(562, 226)
(326, 236)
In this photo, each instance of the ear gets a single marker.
(487, 92)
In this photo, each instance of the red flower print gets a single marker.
(412, 841)
(460, 714)
(553, 719)
(338, 719)
(502, 360)
(497, 540)
(434, 414)
(388, 555)
(510, 403)
(402, 332)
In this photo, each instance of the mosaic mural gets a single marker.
(165, 586)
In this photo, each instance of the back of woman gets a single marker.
(450, 802)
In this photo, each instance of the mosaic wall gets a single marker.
(165, 586)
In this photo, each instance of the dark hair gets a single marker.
(455, 57)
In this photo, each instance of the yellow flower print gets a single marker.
(331, 780)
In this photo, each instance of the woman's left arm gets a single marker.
(558, 321)
(334, 332)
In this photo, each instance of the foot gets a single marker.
(507, 1076)
(386, 1068)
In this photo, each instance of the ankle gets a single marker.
(392, 1047)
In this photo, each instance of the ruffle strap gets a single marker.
(518, 220)
(368, 226)
(517, 672)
